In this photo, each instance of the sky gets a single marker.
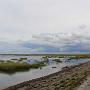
(44, 26)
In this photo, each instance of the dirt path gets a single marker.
(85, 85)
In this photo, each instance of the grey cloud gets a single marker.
(65, 40)
(51, 43)
(83, 26)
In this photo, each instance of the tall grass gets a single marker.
(14, 67)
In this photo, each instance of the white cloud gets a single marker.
(22, 18)
(64, 41)
(63, 38)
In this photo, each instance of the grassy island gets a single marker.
(11, 67)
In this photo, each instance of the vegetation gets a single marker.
(1, 61)
(11, 67)
(20, 59)
(76, 56)
(14, 59)
(57, 60)
(23, 59)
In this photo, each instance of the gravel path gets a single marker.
(85, 85)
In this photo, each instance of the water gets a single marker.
(9, 80)
(9, 57)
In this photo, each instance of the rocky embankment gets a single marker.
(67, 79)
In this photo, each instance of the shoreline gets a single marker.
(60, 80)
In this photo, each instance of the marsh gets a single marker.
(12, 78)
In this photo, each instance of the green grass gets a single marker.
(76, 56)
(20, 59)
(14, 59)
(11, 67)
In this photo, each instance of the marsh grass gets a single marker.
(11, 67)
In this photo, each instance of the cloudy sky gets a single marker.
(44, 26)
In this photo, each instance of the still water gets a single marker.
(9, 80)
